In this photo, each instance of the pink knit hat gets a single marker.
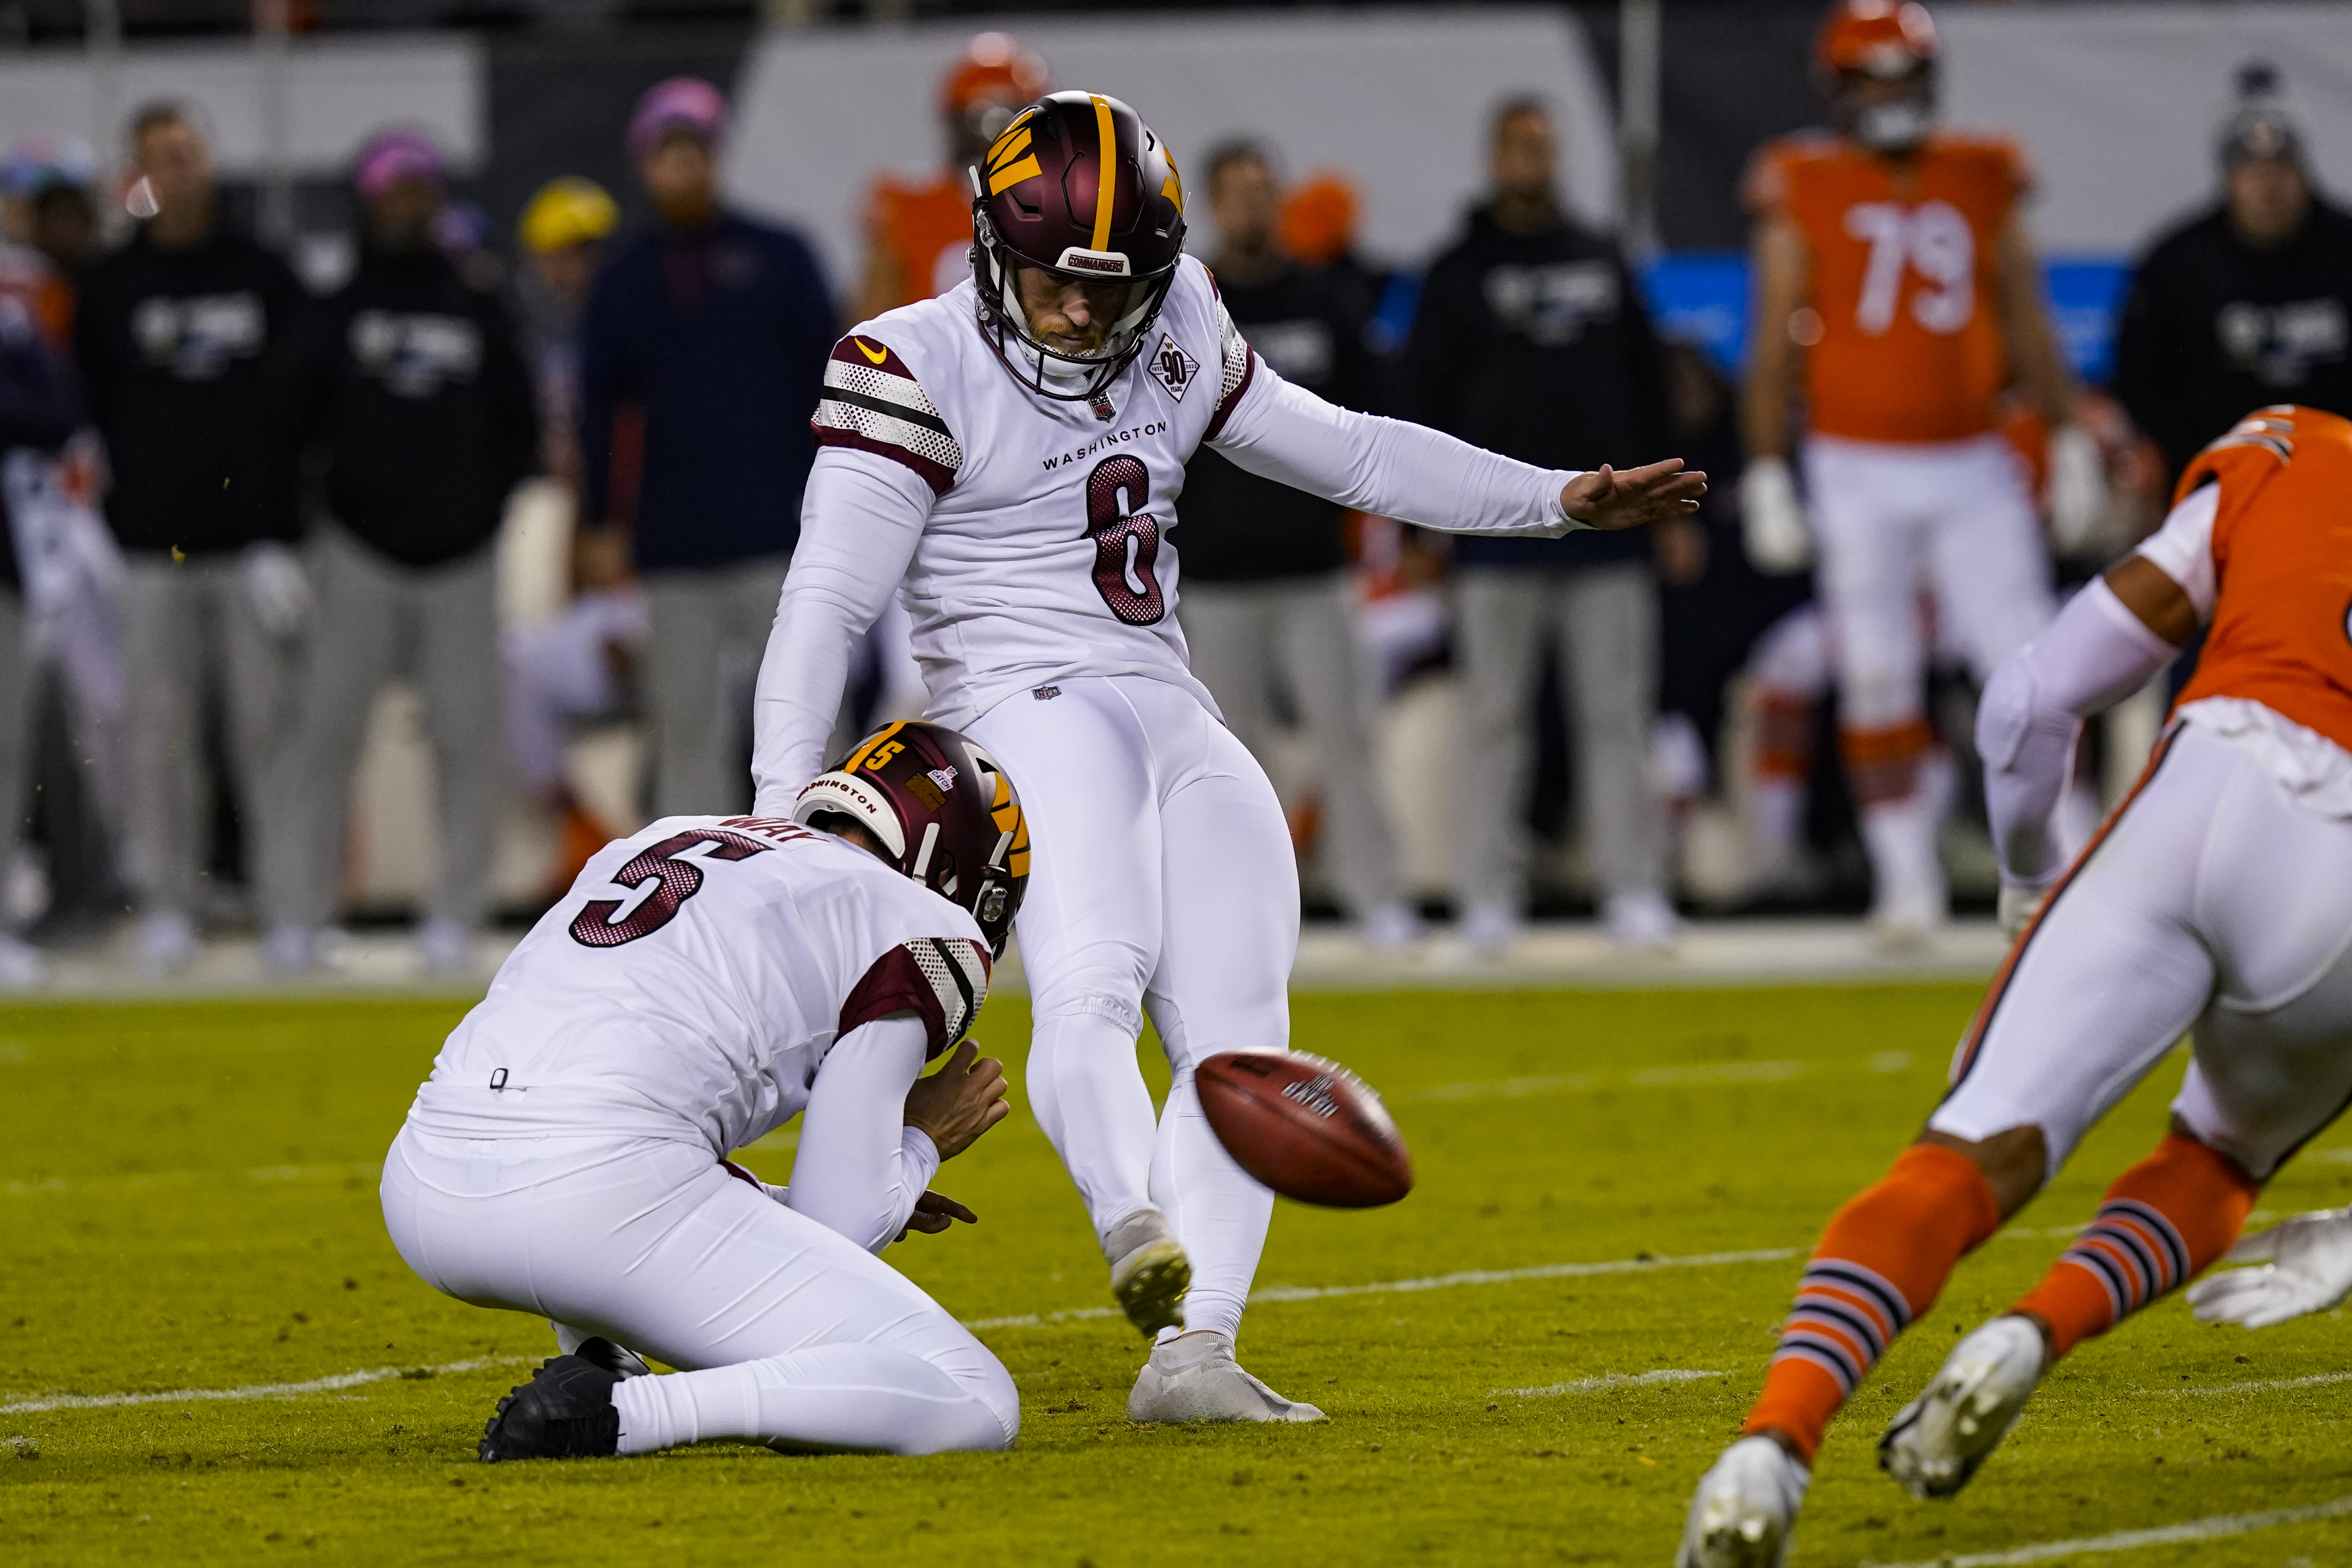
(681, 103)
(395, 157)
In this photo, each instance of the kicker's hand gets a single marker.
(934, 1212)
(963, 1099)
(2306, 1267)
(1612, 499)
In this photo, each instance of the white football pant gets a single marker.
(783, 1331)
(2212, 905)
(1890, 518)
(1160, 880)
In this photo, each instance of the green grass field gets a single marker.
(187, 1198)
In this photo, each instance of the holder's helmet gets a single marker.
(944, 814)
(1078, 186)
(1865, 49)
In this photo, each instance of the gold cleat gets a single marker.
(1148, 1272)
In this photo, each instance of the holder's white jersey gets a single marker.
(690, 984)
(1029, 537)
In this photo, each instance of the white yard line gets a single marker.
(256, 1390)
(2268, 1385)
(2210, 1528)
(1612, 1380)
(1429, 1282)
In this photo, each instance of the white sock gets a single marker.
(861, 1396)
(1088, 1093)
(1901, 838)
(1220, 1213)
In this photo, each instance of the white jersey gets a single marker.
(1029, 537)
(690, 984)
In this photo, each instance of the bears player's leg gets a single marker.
(2274, 1054)
(785, 1332)
(2094, 994)
(1990, 572)
(1089, 927)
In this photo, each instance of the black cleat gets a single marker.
(565, 1411)
(617, 1359)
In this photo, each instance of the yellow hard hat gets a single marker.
(568, 211)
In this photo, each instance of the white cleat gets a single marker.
(443, 947)
(1193, 1377)
(1745, 1508)
(1148, 1272)
(1937, 1441)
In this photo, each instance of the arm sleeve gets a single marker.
(860, 1169)
(859, 524)
(2182, 546)
(2095, 653)
(1409, 472)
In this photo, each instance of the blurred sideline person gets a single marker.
(185, 337)
(2214, 903)
(1896, 282)
(580, 667)
(1532, 340)
(1004, 458)
(1269, 602)
(717, 327)
(414, 402)
(568, 1157)
(70, 565)
(2247, 303)
(39, 411)
(918, 235)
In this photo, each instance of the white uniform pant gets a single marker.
(1161, 878)
(2210, 905)
(785, 1333)
(707, 629)
(1892, 517)
(1604, 622)
(379, 620)
(189, 631)
(1299, 634)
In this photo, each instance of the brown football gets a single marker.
(1307, 1128)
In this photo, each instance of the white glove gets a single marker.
(277, 589)
(2078, 489)
(1779, 535)
(2306, 1267)
(2020, 903)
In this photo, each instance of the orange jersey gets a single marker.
(2281, 628)
(1901, 259)
(926, 231)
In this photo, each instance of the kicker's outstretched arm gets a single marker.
(859, 524)
(1397, 469)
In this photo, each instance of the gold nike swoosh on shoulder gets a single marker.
(873, 356)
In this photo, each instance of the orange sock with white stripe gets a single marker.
(1881, 1263)
(2164, 1220)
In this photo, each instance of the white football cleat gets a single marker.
(443, 947)
(1193, 1377)
(22, 966)
(2306, 1267)
(1935, 1443)
(1148, 1271)
(1745, 1508)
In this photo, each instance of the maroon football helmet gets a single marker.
(1079, 187)
(944, 814)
